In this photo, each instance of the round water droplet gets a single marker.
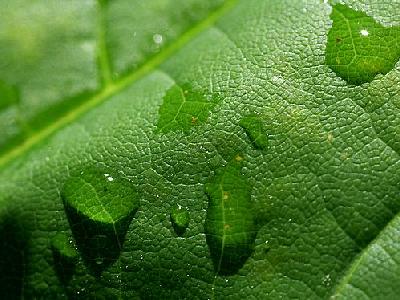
(180, 219)
(157, 38)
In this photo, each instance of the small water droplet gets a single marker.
(254, 128)
(158, 38)
(364, 32)
(180, 218)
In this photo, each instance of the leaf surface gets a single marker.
(316, 196)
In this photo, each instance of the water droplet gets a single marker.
(230, 225)
(157, 38)
(358, 47)
(99, 208)
(183, 108)
(254, 128)
(65, 256)
(180, 218)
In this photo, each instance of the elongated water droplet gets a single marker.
(230, 224)
(358, 47)
(65, 256)
(100, 207)
(180, 219)
(255, 130)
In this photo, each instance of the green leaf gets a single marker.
(199, 149)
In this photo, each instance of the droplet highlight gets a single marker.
(230, 224)
(180, 219)
(358, 47)
(99, 207)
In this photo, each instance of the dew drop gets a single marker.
(184, 108)
(230, 225)
(180, 218)
(358, 47)
(99, 207)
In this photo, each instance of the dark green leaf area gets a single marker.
(99, 207)
(184, 108)
(230, 224)
(180, 219)
(8, 95)
(255, 130)
(358, 47)
(65, 256)
(15, 239)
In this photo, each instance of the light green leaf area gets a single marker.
(359, 47)
(322, 193)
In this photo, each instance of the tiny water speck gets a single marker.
(157, 38)
(364, 32)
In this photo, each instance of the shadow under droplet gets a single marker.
(99, 244)
(14, 240)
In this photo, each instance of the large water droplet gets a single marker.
(184, 108)
(254, 127)
(230, 223)
(180, 219)
(358, 47)
(65, 256)
(100, 207)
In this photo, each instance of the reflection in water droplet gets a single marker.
(364, 32)
(180, 219)
(99, 208)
